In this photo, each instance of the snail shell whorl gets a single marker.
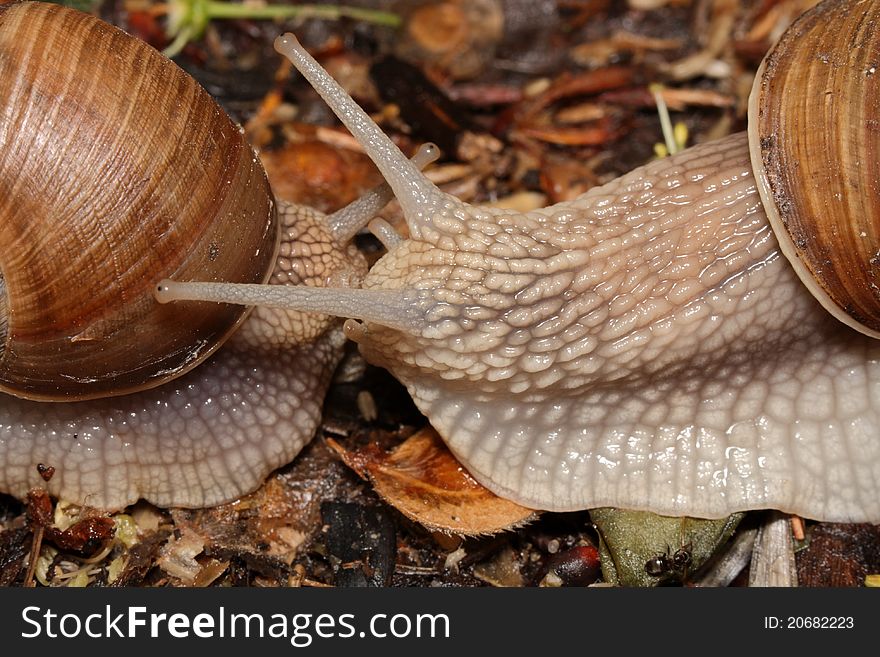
(116, 169)
(814, 128)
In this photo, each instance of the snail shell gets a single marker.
(814, 134)
(100, 195)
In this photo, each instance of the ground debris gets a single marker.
(178, 556)
(839, 554)
(85, 536)
(503, 570)
(14, 548)
(457, 37)
(141, 559)
(312, 172)
(360, 543)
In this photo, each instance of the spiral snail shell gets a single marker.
(815, 155)
(100, 194)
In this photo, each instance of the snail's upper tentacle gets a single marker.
(397, 309)
(419, 198)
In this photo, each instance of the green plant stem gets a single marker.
(177, 44)
(189, 18)
(665, 121)
(329, 12)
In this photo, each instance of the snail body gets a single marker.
(676, 364)
(645, 346)
(115, 168)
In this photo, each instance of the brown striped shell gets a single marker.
(814, 133)
(116, 170)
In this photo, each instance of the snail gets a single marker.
(115, 168)
(650, 345)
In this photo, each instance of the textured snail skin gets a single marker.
(645, 346)
(211, 435)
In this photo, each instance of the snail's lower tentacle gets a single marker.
(345, 223)
(385, 233)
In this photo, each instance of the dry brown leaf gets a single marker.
(211, 569)
(421, 479)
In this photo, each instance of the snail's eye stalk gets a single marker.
(419, 198)
(392, 308)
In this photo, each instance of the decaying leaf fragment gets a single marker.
(639, 548)
(421, 479)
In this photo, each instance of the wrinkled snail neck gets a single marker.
(419, 198)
